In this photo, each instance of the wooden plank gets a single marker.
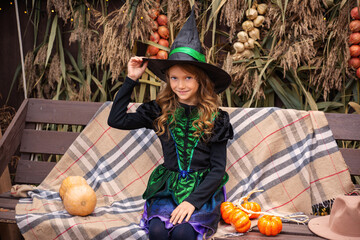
(32, 172)
(10, 142)
(61, 112)
(352, 159)
(5, 181)
(255, 235)
(8, 203)
(49, 142)
(7, 216)
(10, 231)
(344, 126)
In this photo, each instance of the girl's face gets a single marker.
(184, 85)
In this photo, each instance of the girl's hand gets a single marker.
(185, 209)
(136, 67)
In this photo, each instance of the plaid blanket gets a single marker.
(289, 154)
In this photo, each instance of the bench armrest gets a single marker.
(10, 142)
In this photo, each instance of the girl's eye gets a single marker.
(173, 78)
(188, 78)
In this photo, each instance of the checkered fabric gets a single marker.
(289, 154)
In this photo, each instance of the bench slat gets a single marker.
(49, 142)
(344, 126)
(8, 202)
(61, 112)
(7, 217)
(32, 172)
(352, 159)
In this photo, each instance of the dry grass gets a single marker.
(177, 12)
(233, 13)
(122, 29)
(87, 36)
(62, 8)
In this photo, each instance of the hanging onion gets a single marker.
(250, 44)
(255, 34)
(248, 25)
(355, 13)
(354, 50)
(251, 14)
(243, 36)
(354, 62)
(247, 53)
(239, 47)
(354, 38)
(354, 26)
(258, 21)
(261, 8)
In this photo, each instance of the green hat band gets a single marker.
(189, 51)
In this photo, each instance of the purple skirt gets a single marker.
(204, 220)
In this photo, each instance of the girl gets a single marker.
(184, 194)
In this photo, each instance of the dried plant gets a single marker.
(122, 29)
(54, 72)
(177, 12)
(296, 33)
(87, 36)
(41, 55)
(62, 8)
(334, 62)
(232, 14)
(30, 72)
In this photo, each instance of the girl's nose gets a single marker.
(181, 83)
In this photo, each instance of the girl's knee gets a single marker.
(157, 230)
(183, 231)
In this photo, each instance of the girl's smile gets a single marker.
(184, 85)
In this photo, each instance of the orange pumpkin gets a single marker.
(226, 208)
(240, 220)
(70, 182)
(80, 200)
(252, 206)
(269, 225)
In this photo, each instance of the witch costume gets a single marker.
(193, 170)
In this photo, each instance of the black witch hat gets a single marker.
(186, 48)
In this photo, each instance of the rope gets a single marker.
(292, 218)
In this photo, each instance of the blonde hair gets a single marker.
(208, 104)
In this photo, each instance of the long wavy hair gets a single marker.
(208, 104)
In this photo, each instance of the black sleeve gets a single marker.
(144, 116)
(222, 132)
(213, 179)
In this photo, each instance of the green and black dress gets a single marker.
(193, 170)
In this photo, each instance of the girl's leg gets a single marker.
(157, 230)
(183, 231)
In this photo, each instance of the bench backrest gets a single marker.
(38, 112)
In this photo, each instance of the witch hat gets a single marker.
(186, 48)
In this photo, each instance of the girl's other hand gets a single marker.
(185, 209)
(136, 67)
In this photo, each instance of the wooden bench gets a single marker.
(25, 139)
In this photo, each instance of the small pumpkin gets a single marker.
(80, 200)
(269, 225)
(69, 182)
(252, 206)
(226, 209)
(240, 220)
